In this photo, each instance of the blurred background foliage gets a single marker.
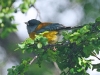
(91, 9)
(8, 28)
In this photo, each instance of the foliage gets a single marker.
(7, 9)
(6, 17)
(19, 69)
(89, 7)
(71, 53)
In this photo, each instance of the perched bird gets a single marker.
(35, 26)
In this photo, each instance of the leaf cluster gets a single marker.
(7, 9)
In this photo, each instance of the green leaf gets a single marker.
(96, 66)
(98, 19)
(88, 49)
(32, 1)
(79, 59)
(29, 41)
(79, 70)
(39, 45)
(21, 45)
(72, 70)
(24, 7)
(44, 40)
(75, 34)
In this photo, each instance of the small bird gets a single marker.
(35, 27)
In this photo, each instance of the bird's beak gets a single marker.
(26, 23)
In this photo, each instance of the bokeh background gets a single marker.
(67, 12)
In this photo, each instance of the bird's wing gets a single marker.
(50, 27)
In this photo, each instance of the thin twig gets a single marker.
(56, 66)
(95, 55)
(68, 72)
(33, 60)
(38, 13)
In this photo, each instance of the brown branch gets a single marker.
(38, 13)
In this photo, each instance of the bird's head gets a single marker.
(32, 25)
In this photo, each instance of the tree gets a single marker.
(70, 54)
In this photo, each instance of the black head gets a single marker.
(32, 25)
(33, 22)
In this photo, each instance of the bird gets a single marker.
(35, 27)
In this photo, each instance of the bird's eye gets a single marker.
(26, 23)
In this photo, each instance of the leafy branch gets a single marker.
(69, 54)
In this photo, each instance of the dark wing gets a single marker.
(51, 27)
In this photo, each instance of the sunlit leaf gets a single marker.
(39, 45)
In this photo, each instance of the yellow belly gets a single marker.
(50, 35)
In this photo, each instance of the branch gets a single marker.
(68, 72)
(95, 55)
(38, 13)
(56, 66)
(33, 60)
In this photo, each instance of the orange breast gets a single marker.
(32, 35)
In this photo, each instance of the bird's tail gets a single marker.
(70, 28)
